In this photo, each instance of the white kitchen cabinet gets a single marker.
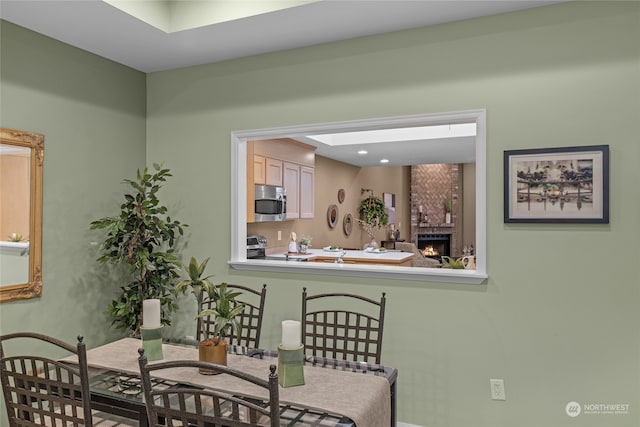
(299, 182)
(291, 179)
(259, 170)
(284, 163)
(307, 192)
(274, 172)
(267, 171)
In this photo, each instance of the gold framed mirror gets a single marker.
(21, 167)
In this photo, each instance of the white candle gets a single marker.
(151, 313)
(290, 334)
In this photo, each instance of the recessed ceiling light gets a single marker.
(363, 152)
(384, 160)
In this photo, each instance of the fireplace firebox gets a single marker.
(438, 244)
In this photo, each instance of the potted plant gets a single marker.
(447, 210)
(303, 244)
(142, 237)
(200, 286)
(455, 263)
(224, 313)
(16, 238)
(372, 214)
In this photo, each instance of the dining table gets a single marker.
(335, 393)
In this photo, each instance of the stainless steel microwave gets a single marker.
(270, 203)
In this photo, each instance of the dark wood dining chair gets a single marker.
(41, 391)
(183, 405)
(331, 326)
(250, 318)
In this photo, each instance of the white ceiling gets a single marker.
(100, 28)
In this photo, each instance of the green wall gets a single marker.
(92, 113)
(557, 318)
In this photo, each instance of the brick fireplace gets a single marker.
(431, 185)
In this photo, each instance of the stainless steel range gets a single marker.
(256, 245)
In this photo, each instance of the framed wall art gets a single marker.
(332, 216)
(557, 185)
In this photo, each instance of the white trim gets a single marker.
(239, 215)
(19, 246)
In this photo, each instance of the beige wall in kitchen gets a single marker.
(331, 176)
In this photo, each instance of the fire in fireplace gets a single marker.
(435, 245)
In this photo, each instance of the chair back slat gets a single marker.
(184, 405)
(342, 333)
(41, 391)
(250, 319)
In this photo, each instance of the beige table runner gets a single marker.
(363, 398)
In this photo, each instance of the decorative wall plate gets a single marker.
(332, 216)
(347, 224)
(341, 195)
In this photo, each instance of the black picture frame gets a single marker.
(557, 185)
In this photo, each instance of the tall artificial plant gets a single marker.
(144, 238)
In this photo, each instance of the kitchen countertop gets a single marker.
(350, 256)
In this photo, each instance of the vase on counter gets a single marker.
(447, 218)
(303, 249)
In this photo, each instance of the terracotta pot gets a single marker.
(208, 352)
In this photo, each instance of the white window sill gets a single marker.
(473, 277)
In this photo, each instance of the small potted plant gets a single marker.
(303, 244)
(16, 238)
(225, 311)
(200, 286)
(455, 263)
(447, 210)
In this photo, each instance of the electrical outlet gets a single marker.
(497, 389)
(279, 234)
